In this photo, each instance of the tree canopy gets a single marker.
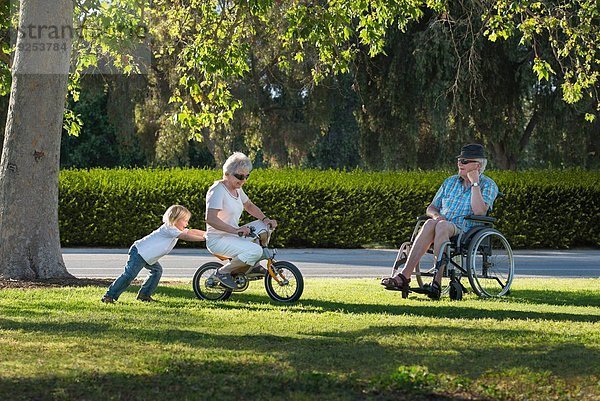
(412, 76)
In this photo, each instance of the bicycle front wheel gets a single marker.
(288, 283)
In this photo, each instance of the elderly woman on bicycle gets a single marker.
(225, 202)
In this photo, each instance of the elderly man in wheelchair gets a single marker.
(458, 228)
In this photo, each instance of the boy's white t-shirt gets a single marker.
(230, 207)
(158, 243)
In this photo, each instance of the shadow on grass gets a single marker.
(557, 297)
(541, 297)
(426, 309)
(181, 379)
(359, 351)
(67, 328)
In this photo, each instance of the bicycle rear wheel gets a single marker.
(205, 287)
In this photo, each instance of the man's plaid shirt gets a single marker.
(453, 200)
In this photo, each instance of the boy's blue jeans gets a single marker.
(134, 265)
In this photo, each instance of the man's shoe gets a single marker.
(225, 279)
(145, 298)
(108, 300)
(435, 290)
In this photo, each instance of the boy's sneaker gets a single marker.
(108, 300)
(145, 298)
(225, 279)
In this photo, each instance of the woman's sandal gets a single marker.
(435, 290)
(397, 283)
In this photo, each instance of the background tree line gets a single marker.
(437, 84)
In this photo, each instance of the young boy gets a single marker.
(145, 252)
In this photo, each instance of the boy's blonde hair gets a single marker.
(174, 213)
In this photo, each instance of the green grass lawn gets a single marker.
(347, 339)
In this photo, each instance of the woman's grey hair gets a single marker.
(482, 164)
(236, 162)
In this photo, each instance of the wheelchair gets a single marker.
(482, 254)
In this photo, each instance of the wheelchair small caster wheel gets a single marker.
(456, 291)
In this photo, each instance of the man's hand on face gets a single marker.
(473, 176)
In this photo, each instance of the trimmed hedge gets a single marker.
(539, 209)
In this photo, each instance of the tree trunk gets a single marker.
(120, 109)
(29, 237)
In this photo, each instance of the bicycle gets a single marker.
(283, 280)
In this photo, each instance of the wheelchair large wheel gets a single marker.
(289, 284)
(491, 264)
(204, 285)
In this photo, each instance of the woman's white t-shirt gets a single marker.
(229, 207)
(158, 243)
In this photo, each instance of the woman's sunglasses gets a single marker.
(467, 161)
(242, 177)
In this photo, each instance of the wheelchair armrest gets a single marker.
(481, 219)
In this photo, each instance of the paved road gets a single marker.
(182, 263)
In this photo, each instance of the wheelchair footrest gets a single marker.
(419, 290)
(392, 289)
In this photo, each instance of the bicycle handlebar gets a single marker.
(252, 231)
